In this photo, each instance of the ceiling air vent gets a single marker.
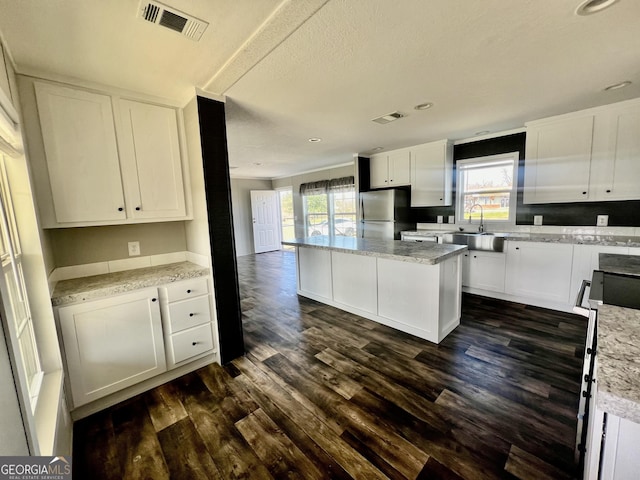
(388, 118)
(173, 19)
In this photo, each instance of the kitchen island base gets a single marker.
(417, 298)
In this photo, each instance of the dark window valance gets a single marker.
(323, 186)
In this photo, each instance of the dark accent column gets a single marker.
(215, 159)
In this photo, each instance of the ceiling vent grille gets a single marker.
(172, 19)
(388, 118)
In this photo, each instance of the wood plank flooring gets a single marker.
(325, 394)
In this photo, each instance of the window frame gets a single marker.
(331, 214)
(467, 164)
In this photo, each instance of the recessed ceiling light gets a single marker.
(423, 106)
(483, 132)
(593, 6)
(315, 140)
(616, 86)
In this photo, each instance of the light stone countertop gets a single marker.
(619, 361)
(97, 286)
(429, 254)
(579, 239)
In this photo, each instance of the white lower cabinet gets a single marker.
(354, 281)
(314, 271)
(620, 459)
(112, 343)
(186, 317)
(539, 270)
(484, 270)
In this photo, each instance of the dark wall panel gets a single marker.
(215, 159)
(625, 213)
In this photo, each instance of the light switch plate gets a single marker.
(134, 249)
(537, 219)
(603, 220)
(452, 219)
(440, 219)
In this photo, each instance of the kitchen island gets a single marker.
(413, 287)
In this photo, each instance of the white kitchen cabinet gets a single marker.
(108, 160)
(617, 150)
(187, 321)
(484, 270)
(558, 159)
(314, 271)
(354, 281)
(112, 343)
(539, 270)
(151, 164)
(585, 261)
(81, 154)
(391, 169)
(620, 459)
(431, 174)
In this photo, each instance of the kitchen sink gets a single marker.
(490, 242)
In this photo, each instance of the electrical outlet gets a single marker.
(603, 220)
(439, 219)
(134, 249)
(452, 219)
(537, 219)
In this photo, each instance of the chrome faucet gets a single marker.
(481, 227)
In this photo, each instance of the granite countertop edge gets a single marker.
(99, 286)
(415, 256)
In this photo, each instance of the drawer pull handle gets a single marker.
(189, 291)
(154, 299)
(191, 314)
(195, 343)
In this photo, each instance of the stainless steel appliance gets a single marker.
(604, 288)
(408, 237)
(384, 214)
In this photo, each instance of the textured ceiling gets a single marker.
(297, 69)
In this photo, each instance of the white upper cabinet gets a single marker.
(151, 166)
(558, 160)
(81, 154)
(390, 169)
(431, 174)
(107, 160)
(591, 155)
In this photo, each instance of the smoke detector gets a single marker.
(173, 19)
(388, 118)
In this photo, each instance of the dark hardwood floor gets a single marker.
(325, 394)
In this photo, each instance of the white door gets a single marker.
(266, 220)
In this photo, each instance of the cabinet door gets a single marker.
(539, 270)
(81, 154)
(354, 281)
(314, 271)
(623, 156)
(465, 269)
(558, 161)
(431, 175)
(399, 168)
(151, 161)
(486, 270)
(112, 343)
(379, 171)
(620, 459)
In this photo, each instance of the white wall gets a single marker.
(242, 218)
(295, 182)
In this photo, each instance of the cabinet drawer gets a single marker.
(188, 313)
(186, 289)
(189, 343)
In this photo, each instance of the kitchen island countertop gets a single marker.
(429, 254)
(97, 286)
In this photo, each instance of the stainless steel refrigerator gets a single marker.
(384, 214)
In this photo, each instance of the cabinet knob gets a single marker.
(121, 209)
(194, 343)
(440, 199)
(608, 191)
(589, 351)
(475, 256)
(584, 193)
(466, 254)
(138, 209)
(584, 394)
(189, 291)
(191, 314)
(154, 299)
(517, 248)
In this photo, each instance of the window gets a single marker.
(285, 196)
(330, 207)
(487, 187)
